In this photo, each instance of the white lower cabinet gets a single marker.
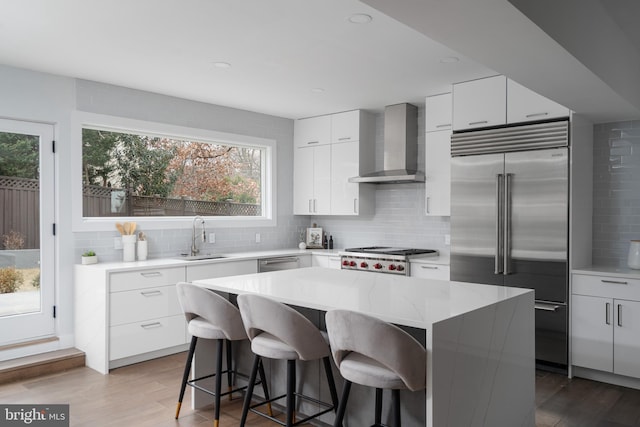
(224, 269)
(605, 318)
(137, 338)
(429, 271)
(326, 261)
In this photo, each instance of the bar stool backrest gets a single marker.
(197, 302)
(261, 314)
(383, 342)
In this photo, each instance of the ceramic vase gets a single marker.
(129, 247)
(142, 250)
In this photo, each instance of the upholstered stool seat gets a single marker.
(373, 353)
(210, 316)
(279, 332)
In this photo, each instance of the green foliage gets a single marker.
(10, 280)
(97, 147)
(35, 282)
(89, 253)
(19, 155)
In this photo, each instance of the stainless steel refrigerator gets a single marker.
(509, 220)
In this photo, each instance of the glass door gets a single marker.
(27, 215)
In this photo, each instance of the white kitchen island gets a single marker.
(479, 338)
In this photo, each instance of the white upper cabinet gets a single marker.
(345, 127)
(438, 119)
(524, 105)
(322, 170)
(312, 131)
(438, 112)
(480, 103)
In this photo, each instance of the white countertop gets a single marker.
(401, 300)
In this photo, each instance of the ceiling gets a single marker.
(300, 58)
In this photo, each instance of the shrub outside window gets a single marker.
(130, 174)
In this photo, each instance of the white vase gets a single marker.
(129, 247)
(634, 254)
(302, 245)
(142, 250)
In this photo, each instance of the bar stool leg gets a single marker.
(291, 389)
(332, 383)
(218, 385)
(343, 404)
(395, 398)
(185, 376)
(265, 389)
(378, 407)
(249, 391)
(229, 369)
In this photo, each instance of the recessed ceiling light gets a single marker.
(222, 65)
(360, 18)
(317, 90)
(449, 59)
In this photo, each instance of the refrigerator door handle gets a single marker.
(498, 265)
(506, 247)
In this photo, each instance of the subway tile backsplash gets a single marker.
(616, 191)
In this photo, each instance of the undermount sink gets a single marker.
(199, 257)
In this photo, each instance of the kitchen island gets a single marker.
(479, 339)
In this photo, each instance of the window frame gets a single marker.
(82, 119)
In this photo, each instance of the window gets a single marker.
(141, 169)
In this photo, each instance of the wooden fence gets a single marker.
(20, 207)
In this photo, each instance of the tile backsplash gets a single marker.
(616, 191)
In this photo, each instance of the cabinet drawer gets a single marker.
(430, 271)
(606, 286)
(145, 279)
(142, 337)
(141, 304)
(221, 269)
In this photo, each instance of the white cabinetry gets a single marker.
(480, 103)
(524, 105)
(438, 122)
(424, 270)
(126, 317)
(312, 131)
(326, 261)
(221, 269)
(321, 172)
(605, 317)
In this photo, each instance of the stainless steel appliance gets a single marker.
(382, 259)
(278, 263)
(509, 219)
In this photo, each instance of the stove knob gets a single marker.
(392, 267)
(364, 265)
(345, 263)
(353, 264)
(377, 266)
(401, 268)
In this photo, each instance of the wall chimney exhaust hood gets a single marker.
(400, 161)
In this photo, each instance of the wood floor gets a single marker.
(144, 395)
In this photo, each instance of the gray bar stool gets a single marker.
(279, 332)
(399, 363)
(210, 316)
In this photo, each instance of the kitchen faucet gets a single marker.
(194, 247)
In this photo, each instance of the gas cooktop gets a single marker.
(386, 250)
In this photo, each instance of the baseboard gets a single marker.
(40, 364)
(606, 377)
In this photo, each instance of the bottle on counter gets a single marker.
(330, 242)
(325, 242)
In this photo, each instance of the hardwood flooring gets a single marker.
(144, 395)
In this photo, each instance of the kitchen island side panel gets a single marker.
(481, 367)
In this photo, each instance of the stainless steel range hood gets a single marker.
(400, 161)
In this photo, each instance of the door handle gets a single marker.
(427, 203)
(315, 205)
(607, 313)
(619, 314)
(498, 267)
(507, 223)
(546, 307)
(355, 206)
(310, 208)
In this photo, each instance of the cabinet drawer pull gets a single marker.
(536, 115)
(346, 138)
(616, 282)
(151, 325)
(151, 293)
(446, 125)
(313, 142)
(546, 307)
(619, 314)
(152, 274)
(478, 123)
(429, 267)
(310, 208)
(355, 206)
(607, 313)
(427, 204)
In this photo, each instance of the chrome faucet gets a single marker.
(194, 246)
